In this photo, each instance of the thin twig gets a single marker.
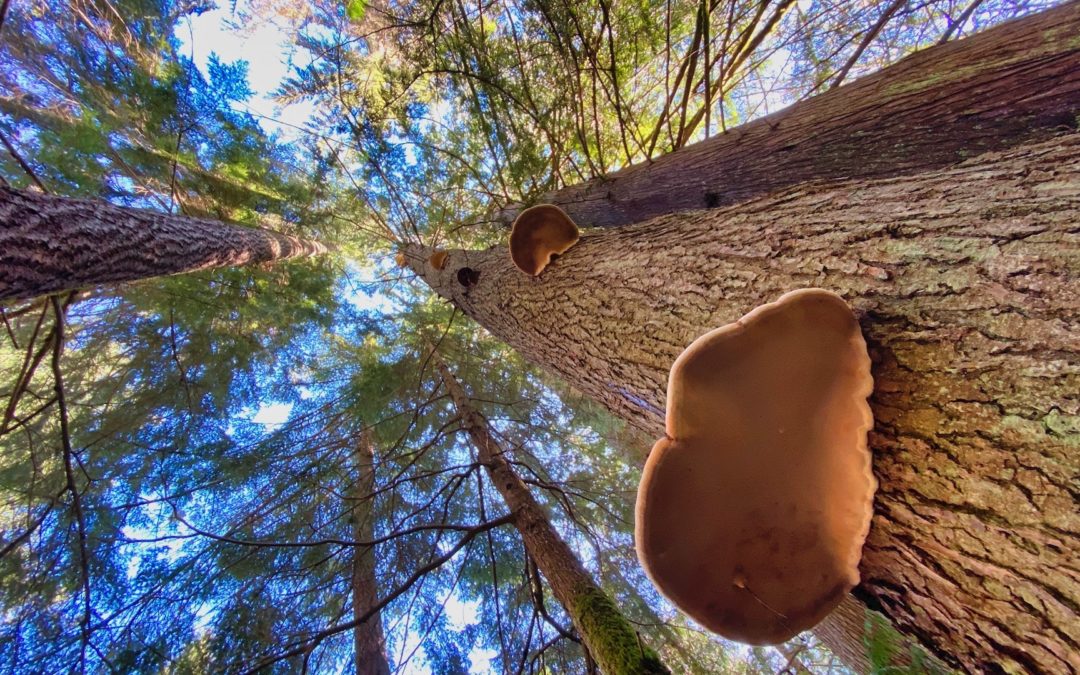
(22, 162)
(10, 332)
(867, 39)
(438, 527)
(69, 472)
(960, 21)
(316, 639)
(536, 588)
(26, 372)
(14, 543)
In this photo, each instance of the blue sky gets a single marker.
(270, 56)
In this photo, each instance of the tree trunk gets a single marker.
(368, 639)
(609, 638)
(1015, 83)
(866, 642)
(844, 632)
(966, 284)
(51, 244)
(673, 646)
(794, 665)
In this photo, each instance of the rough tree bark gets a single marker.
(611, 641)
(368, 639)
(966, 283)
(1015, 83)
(51, 244)
(851, 629)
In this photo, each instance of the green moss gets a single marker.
(1056, 40)
(885, 650)
(617, 648)
(1064, 34)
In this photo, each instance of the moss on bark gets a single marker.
(618, 649)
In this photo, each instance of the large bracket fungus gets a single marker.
(752, 512)
(539, 233)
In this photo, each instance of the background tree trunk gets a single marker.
(368, 638)
(966, 284)
(609, 638)
(867, 643)
(1017, 82)
(50, 244)
(794, 664)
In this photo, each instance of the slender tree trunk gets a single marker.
(50, 244)
(368, 639)
(1014, 83)
(846, 622)
(794, 664)
(683, 658)
(610, 639)
(967, 284)
(866, 642)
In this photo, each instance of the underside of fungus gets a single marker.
(539, 233)
(752, 511)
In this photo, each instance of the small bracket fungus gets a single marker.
(400, 259)
(752, 511)
(539, 233)
(438, 259)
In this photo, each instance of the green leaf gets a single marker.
(356, 9)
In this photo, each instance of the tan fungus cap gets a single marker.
(539, 233)
(438, 259)
(752, 513)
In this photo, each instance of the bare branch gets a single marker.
(316, 639)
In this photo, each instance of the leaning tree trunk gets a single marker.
(50, 244)
(608, 636)
(967, 284)
(368, 639)
(1018, 82)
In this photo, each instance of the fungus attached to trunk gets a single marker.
(752, 511)
(438, 259)
(539, 233)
